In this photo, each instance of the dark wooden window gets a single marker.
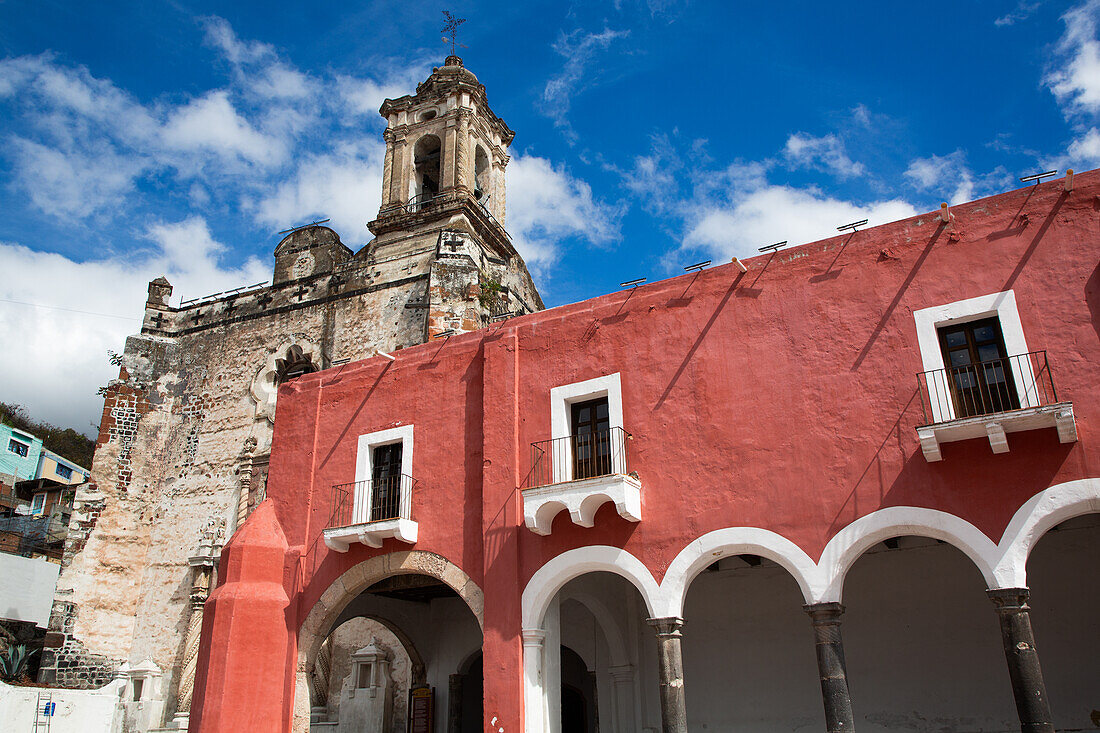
(386, 482)
(591, 431)
(978, 369)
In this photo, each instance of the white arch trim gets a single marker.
(1002, 565)
(694, 558)
(548, 580)
(1032, 520)
(851, 542)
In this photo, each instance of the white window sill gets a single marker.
(996, 426)
(582, 498)
(371, 534)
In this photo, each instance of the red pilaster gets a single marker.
(242, 682)
(501, 519)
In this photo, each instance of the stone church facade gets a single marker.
(185, 437)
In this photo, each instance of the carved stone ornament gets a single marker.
(290, 358)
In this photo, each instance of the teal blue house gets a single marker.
(19, 453)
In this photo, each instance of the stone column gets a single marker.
(1023, 659)
(387, 169)
(830, 666)
(402, 170)
(202, 565)
(533, 708)
(462, 153)
(670, 671)
(622, 680)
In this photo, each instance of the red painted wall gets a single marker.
(784, 398)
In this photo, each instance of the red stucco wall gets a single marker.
(784, 398)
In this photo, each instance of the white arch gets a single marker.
(608, 625)
(852, 541)
(1032, 520)
(548, 580)
(694, 558)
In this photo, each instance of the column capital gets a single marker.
(828, 612)
(667, 626)
(1009, 600)
(533, 637)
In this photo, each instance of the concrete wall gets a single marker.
(29, 585)
(76, 711)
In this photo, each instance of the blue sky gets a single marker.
(179, 137)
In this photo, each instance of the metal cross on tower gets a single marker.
(451, 29)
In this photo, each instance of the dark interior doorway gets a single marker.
(578, 695)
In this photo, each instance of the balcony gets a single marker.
(580, 473)
(990, 399)
(372, 511)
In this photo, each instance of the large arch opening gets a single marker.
(748, 649)
(922, 641)
(482, 176)
(1061, 573)
(425, 183)
(407, 623)
(599, 666)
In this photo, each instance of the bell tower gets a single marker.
(444, 147)
(443, 189)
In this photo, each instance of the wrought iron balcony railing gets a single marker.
(986, 388)
(363, 502)
(578, 457)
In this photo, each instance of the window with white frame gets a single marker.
(19, 449)
(586, 428)
(383, 476)
(63, 471)
(38, 503)
(975, 357)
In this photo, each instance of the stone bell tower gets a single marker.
(443, 188)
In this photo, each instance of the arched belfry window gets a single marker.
(482, 189)
(294, 363)
(426, 167)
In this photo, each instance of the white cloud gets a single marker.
(211, 123)
(579, 49)
(950, 176)
(220, 35)
(74, 183)
(69, 349)
(1022, 11)
(1075, 80)
(772, 213)
(547, 205)
(1085, 150)
(345, 186)
(824, 153)
(364, 96)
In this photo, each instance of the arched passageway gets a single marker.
(1062, 576)
(749, 662)
(922, 642)
(421, 612)
(598, 667)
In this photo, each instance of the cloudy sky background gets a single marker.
(179, 137)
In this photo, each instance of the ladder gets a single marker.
(44, 712)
